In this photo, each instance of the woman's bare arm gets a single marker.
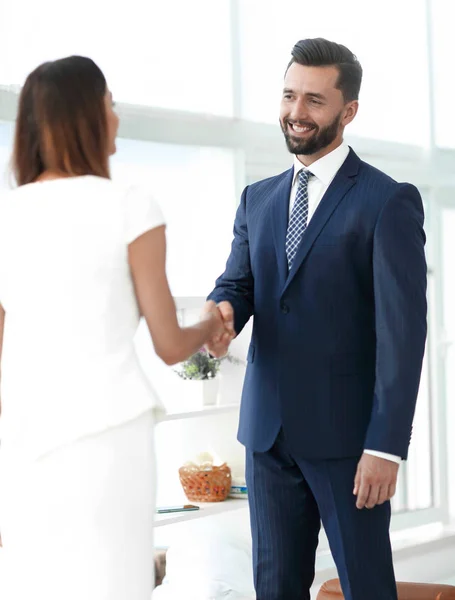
(147, 258)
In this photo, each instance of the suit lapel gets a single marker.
(280, 216)
(341, 184)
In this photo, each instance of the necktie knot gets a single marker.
(304, 176)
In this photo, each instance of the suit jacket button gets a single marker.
(284, 308)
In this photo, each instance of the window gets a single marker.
(195, 188)
(447, 341)
(163, 55)
(415, 483)
(443, 16)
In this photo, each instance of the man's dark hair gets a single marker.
(318, 52)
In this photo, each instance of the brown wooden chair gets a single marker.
(331, 590)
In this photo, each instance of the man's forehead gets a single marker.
(318, 78)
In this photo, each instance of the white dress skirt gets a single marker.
(77, 524)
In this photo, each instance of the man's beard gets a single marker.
(320, 139)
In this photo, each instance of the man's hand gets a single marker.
(219, 346)
(375, 481)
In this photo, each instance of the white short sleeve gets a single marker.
(142, 213)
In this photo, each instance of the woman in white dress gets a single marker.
(81, 258)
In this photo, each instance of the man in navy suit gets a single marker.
(329, 259)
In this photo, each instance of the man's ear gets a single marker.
(350, 112)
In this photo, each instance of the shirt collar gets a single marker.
(324, 168)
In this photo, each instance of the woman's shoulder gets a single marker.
(89, 188)
(45, 187)
(125, 190)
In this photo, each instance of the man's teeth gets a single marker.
(299, 129)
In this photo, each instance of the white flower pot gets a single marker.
(202, 392)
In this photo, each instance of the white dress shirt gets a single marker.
(324, 170)
(73, 371)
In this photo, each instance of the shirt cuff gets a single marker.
(392, 457)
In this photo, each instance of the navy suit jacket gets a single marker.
(337, 345)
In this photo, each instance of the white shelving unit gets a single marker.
(188, 309)
(189, 302)
(206, 509)
(201, 412)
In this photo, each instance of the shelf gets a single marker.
(201, 412)
(189, 302)
(207, 509)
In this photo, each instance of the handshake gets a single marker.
(221, 318)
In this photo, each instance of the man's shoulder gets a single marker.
(375, 177)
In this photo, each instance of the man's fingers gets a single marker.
(362, 496)
(373, 496)
(377, 474)
(208, 306)
(391, 491)
(219, 345)
(383, 494)
(213, 350)
(219, 352)
(226, 338)
(227, 312)
(356, 482)
(220, 348)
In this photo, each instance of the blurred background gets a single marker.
(197, 85)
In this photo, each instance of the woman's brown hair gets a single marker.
(61, 123)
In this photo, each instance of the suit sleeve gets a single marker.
(400, 274)
(236, 284)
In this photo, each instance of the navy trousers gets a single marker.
(288, 498)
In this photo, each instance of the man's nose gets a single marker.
(299, 111)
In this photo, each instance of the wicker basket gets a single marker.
(203, 485)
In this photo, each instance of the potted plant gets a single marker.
(202, 370)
